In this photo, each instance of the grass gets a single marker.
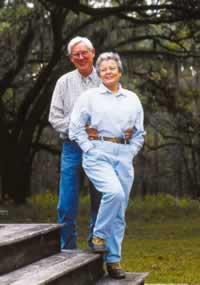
(168, 251)
(162, 238)
(162, 233)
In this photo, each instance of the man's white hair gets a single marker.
(78, 40)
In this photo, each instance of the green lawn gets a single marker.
(163, 239)
(162, 234)
(168, 251)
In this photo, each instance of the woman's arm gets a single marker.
(77, 127)
(137, 139)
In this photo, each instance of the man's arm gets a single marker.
(92, 132)
(57, 117)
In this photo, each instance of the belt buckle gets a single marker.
(114, 140)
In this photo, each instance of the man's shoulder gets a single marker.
(68, 75)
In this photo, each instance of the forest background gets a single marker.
(159, 42)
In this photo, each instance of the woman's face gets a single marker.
(109, 73)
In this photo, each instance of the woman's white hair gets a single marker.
(107, 56)
(78, 40)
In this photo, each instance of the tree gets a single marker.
(34, 37)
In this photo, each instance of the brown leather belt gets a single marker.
(114, 140)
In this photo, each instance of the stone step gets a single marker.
(71, 267)
(22, 244)
(132, 278)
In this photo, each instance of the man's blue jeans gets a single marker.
(71, 176)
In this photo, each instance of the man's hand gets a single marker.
(92, 132)
(128, 134)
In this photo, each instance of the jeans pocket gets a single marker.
(90, 157)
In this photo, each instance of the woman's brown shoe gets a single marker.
(115, 271)
(98, 245)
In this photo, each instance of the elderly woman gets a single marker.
(107, 158)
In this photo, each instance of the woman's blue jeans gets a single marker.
(109, 166)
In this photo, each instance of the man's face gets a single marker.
(82, 57)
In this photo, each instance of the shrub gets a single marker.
(161, 206)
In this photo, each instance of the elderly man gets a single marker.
(68, 88)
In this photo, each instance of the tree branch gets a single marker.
(22, 53)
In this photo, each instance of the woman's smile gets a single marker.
(110, 74)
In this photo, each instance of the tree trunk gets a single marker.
(16, 170)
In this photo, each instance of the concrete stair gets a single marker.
(30, 255)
